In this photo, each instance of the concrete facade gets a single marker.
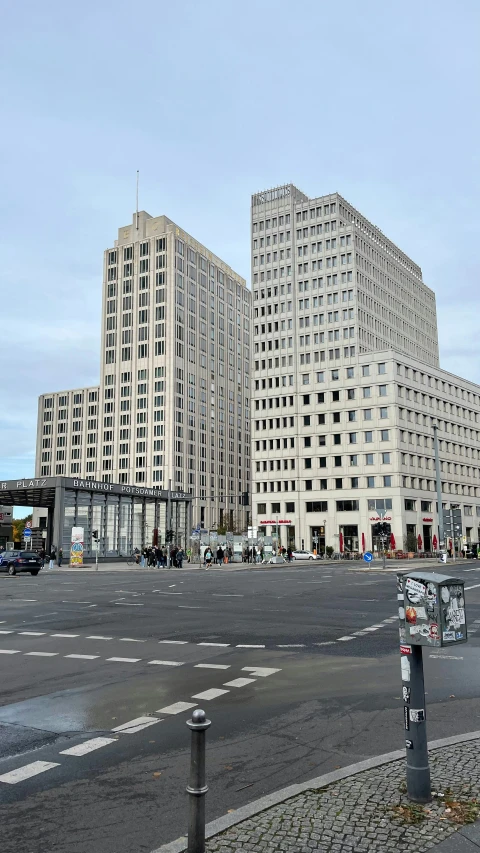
(174, 393)
(346, 383)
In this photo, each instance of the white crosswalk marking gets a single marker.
(26, 772)
(88, 746)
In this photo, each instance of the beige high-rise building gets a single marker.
(173, 402)
(347, 384)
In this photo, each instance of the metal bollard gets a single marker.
(197, 787)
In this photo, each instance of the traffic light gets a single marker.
(386, 528)
(95, 534)
(169, 536)
(377, 529)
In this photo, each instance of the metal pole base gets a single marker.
(419, 787)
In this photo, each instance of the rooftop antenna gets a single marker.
(138, 173)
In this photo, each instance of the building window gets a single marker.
(426, 506)
(383, 412)
(338, 483)
(384, 434)
(382, 367)
(370, 482)
(347, 506)
(410, 505)
(368, 437)
(387, 481)
(315, 506)
(386, 458)
(354, 482)
(366, 370)
(369, 459)
(261, 509)
(382, 390)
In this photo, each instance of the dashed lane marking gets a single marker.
(124, 660)
(344, 639)
(208, 695)
(177, 708)
(212, 666)
(260, 671)
(33, 633)
(64, 635)
(446, 657)
(97, 637)
(175, 642)
(249, 647)
(9, 651)
(88, 746)
(239, 682)
(130, 640)
(136, 725)
(291, 646)
(220, 645)
(83, 657)
(167, 662)
(27, 771)
(42, 654)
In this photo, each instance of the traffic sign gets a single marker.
(368, 557)
(28, 524)
(27, 533)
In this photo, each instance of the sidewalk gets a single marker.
(362, 808)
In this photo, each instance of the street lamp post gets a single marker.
(441, 534)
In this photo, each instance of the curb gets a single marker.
(251, 809)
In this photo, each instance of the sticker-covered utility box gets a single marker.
(431, 609)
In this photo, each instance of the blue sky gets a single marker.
(212, 101)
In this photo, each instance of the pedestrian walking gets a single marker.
(60, 557)
(180, 556)
(208, 558)
(220, 555)
(53, 554)
(42, 555)
(189, 555)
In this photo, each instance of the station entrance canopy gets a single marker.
(126, 517)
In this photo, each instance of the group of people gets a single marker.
(217, 556)
(54, 555)
(155, 556)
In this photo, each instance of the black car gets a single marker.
(20, 561)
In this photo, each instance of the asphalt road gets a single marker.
(297, 668)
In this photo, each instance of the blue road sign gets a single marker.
(368, 557)
(27, 533)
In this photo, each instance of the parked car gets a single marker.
(304, 555)
(20, 561)
(277, 559)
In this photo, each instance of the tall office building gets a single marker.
(339, 314)
(174, 394)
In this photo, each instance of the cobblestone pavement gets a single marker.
(358, 813)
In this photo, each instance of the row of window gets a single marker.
(321, 461)
(322, 485)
